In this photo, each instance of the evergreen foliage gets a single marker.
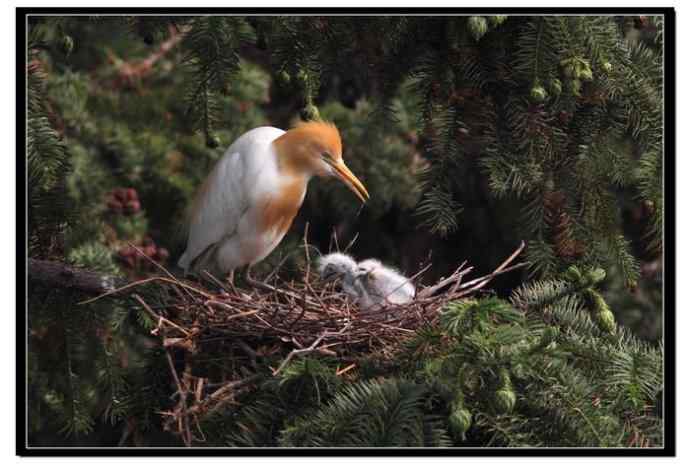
(468, 131)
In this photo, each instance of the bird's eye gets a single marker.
(326, 156)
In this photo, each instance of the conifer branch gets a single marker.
(61, 275)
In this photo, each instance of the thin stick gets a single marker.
(155, 263)
(348, 368)
(482, 281)
(457, 275)
(499, 270)
(420, 272)
(263, 285)
(334, 238)
(459, 281)
(186, 436)
(237, 315)
(220, 284)
(299, 352)
(277, 268)
(158, 265)
(142, 282)
(352, 243)
(218, 396)
(161, 318)
(306, 249)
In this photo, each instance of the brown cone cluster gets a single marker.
(560, 222)
(137, 257)
(123, 201)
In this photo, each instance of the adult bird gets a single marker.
(247, 203)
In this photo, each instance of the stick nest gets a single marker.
(289, 319)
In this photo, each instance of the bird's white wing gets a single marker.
(225, 195)
(217, 207)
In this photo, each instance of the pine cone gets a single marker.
(605, 320)
(460, 421)
(131, 194)
(554, 204)
(149, 250)
(505, 400)
(478, 26)
(132, 207)
(67, 44)
(538, 94)
(162, 254)
(114, 205)
(555, 87)
(120, 194)
(561, 226)
(601, 313)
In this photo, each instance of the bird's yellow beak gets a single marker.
(350, 180)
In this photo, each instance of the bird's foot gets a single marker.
(230, 281)
(254, 282)
(260, 284)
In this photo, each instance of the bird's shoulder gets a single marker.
(251, 159)
(254, 143)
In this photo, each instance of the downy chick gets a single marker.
(343, 268)
(384, 285)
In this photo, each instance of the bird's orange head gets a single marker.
(315, 148)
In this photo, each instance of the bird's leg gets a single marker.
(255, 283)
(250, 280)
(259, 284)
(230, 279)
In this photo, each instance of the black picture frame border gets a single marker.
(669, 399)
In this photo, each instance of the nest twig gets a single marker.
(293, 318)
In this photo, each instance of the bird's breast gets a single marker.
(278, 209)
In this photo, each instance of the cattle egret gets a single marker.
(384, 285)
(369, 284)
(336, 264)
(343, 268)
(247, 203)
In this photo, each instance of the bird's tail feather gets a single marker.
(183, 262)
(206, 261)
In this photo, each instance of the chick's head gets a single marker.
(335, 265)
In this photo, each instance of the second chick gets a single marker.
(369, 284)
(385, 286)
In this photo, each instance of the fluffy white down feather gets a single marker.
(336, 264)
(385, 285)
(370, 284)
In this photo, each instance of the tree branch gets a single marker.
(56, 274)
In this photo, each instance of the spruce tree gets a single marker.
(471, 132)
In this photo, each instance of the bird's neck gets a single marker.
(292, 157)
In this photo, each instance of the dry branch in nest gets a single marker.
(279, 319)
